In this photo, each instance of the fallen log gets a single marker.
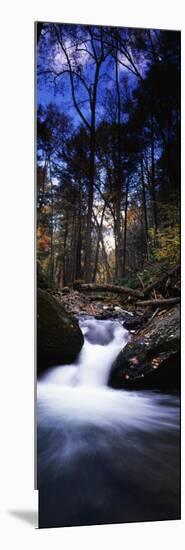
(160, 302)
(91, 287)
(161, 280)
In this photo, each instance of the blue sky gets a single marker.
(51, 57)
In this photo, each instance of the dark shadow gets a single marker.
(28, 516)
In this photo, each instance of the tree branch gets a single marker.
(71, 79)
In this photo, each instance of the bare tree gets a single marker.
(91, 43)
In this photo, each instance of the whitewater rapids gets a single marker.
(104, 455)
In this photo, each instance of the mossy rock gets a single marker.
(59, 338)
(152, 360)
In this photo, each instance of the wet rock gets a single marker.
(152, 359)
(138, 321)
(103, 315)
(59, 338)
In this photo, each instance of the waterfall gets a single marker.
(106, 455)
(102, 342)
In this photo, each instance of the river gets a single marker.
(104, 455)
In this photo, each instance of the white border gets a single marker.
(17, 274)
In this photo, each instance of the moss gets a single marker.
(59, 336)
(152, 360)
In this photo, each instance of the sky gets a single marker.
(58, 91)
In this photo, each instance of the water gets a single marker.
(104, 455)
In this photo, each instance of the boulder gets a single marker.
(152, 359)
(59, 338)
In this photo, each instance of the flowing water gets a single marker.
(104, 455)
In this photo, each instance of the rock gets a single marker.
(152, 359)
(103, 315)
(59, 338)
(65, 290)
(137, 321)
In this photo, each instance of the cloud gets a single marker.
(77, 56)
(141, 63)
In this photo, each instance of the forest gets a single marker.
(108, 267)
(108, 154)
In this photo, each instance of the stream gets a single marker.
(104, 455)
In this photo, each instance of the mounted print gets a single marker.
(108, 274)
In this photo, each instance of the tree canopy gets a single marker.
(108, 153)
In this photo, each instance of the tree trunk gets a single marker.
(118, 239)
(99, 233)
(88, 251)
(107, 267)
(144, 206)
(78, 272)
(125, 225)
(154, 202)
(65, 254)
(88, 248)
(163, 302)
(39, 27)
(109, 288)
(104, 253)
(51, 230)
(59, 275)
